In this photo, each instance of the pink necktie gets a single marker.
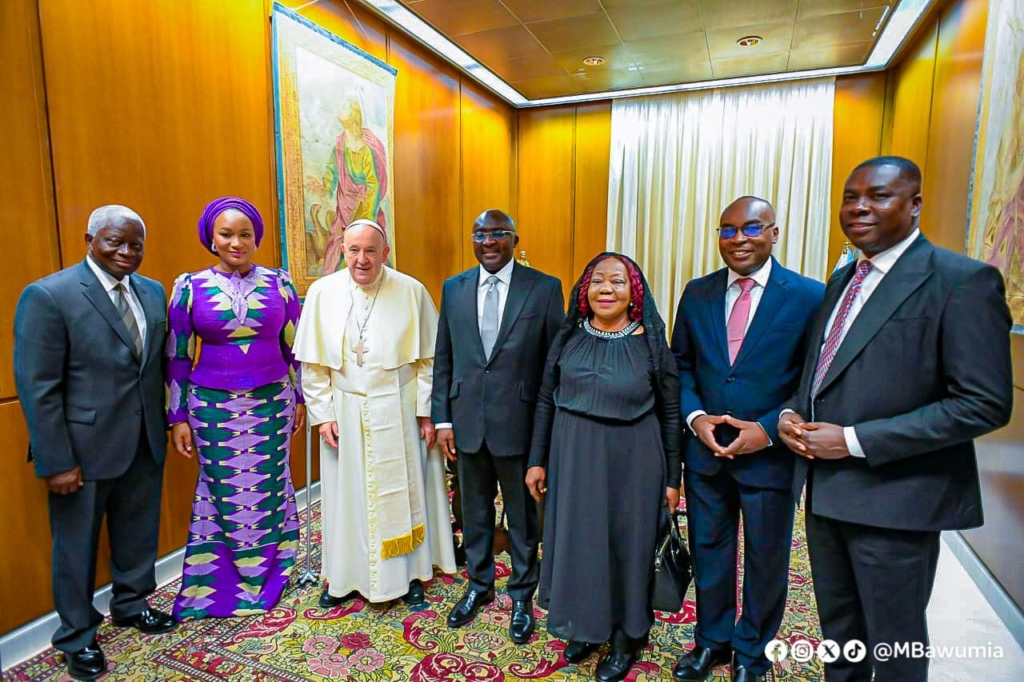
(835, 334)
(737, 326)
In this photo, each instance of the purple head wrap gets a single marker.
(218, 206)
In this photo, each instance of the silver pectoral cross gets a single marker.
(359, 351)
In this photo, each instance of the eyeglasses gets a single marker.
(481, 237)
(755, 230)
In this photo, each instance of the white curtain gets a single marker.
(678, 160)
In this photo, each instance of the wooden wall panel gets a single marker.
(961, 46)
(590, 200)
(428, 203)
(28, 224)
(25, 531)
(488, 133)
(857, 136)
(546, 189)
(912, 100)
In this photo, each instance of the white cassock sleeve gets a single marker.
(425, 383)
(316, 387)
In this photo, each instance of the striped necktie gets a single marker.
(125, 311)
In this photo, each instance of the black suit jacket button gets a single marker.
(487, 371)
(138, 411)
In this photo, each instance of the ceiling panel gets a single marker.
(500, 43)
(616, 58)
(813, 8)
(680, 72)
(554, 86)
(455, 17)
(821, 58)
(836, 29)
(598, 81)
(734, 67)
(719, 14)
(661, 19)
(540, 65)
(538, 46)
(687, 48)
(544, 10)
(576, 33)
(775, 37)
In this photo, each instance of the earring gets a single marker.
(213, 247)
(631, 305)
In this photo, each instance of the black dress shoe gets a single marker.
(415, 595)
(329, 602)
(87, 663)
(697, 664)
(149, 622)
(575, 652)
(523, 622)
(742, 674)
(466, 609)
(615, 666)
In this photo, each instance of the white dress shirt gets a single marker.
(504, 282)
(732, 294)
(109, 282)
(881, 264)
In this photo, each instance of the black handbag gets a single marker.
(673, 570)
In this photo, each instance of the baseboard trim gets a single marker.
(29, 640)
(993, 591)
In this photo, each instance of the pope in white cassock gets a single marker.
(366, 342)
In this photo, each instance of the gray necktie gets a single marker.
(489, 326)
(125, 311)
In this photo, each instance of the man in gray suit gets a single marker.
(88, 344)
(497, 322)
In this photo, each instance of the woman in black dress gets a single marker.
(606, 443)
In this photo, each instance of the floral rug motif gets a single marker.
(394, 642)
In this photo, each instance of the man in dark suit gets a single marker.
(88, 353)
(910, 362)
(739, 341)
(497, 322)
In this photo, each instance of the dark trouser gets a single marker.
(479, 475)
(131, 503)
(872, 584)
(713, 506)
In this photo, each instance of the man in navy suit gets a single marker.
(740, 340)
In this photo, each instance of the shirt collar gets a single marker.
(106, 279)
(760, 277)
(884, 261)
(504, 275)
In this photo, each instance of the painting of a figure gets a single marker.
(335, 124)
(997, 196)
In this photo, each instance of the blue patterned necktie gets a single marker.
(489, 325)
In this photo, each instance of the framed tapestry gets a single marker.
(334, 113)
(996, 222)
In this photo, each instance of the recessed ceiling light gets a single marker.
(749, 41)
(594, 61)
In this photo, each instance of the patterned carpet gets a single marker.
(371, 643)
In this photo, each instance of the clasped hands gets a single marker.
(751, 436)
(813, 440)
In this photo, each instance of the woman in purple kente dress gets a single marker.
(237, 409)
